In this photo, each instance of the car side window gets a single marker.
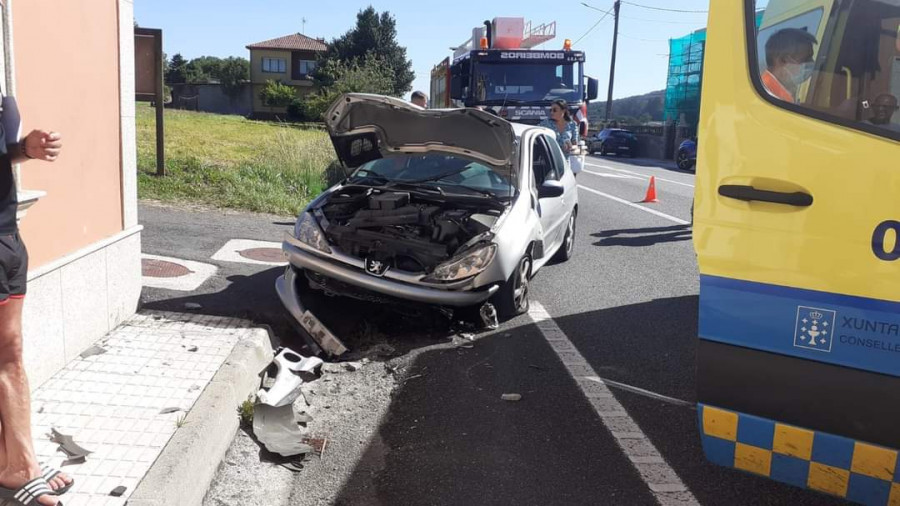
(541, 161)
(839, 62)
(559, 161)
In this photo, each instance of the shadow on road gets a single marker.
(643, 236)
(361, 325)
(448, 438)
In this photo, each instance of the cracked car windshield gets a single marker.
(451, 174)
(527, 82)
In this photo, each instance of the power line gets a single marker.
(606, 15)
(663, 8)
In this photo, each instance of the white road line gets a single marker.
(231, 252)
(632, 204)
(642, 176)
(663, 482)
(197, 274)
(614, 176)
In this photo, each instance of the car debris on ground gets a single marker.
(76, 453)
(275, 423)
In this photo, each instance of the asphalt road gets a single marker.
(627, 302)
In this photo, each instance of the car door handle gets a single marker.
(748, 193)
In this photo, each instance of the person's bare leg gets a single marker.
(15, 405)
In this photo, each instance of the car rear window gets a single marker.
(623, 135)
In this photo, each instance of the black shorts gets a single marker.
(13, 268)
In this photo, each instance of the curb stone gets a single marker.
(187, 465)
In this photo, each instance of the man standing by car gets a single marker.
(420, 99)
(19, 468)
(789, 62)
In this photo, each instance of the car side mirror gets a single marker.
(593, 88)
(551, 189)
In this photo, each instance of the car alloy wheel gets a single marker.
(520, 288)
(684, 163)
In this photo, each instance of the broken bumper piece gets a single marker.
(290, 369)
(286, 286)
(303, 259)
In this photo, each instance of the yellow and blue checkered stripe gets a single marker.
(857, 471)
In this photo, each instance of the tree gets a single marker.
(176, 74)
(276, 94)
(374, 34)
(366, 75)
(232, 74)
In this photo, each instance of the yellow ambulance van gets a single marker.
(796, 231)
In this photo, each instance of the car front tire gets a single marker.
(513, 297)
(684, 163)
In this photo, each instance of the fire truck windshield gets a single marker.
(527, 82)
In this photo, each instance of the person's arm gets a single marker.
(37, 145)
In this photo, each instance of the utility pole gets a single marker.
(612, 65)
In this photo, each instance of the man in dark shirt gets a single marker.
(18, 464)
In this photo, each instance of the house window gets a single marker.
(306, 67)
(274, 65)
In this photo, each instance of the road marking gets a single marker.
(614, 176)
(660, 478)
(231, 252)
(642, 176)
(197, 274)
(632, 204)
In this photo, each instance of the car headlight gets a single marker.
(465, 266)
(308, 232)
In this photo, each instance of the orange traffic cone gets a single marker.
(651, 191)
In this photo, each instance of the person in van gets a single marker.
(789, 62)
(883, 108)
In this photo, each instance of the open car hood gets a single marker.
(367, 127)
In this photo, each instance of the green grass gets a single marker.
(232, 162)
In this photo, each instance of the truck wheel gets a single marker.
(512, 298)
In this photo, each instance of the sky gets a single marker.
(428, 29)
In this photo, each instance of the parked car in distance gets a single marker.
(614, 141)
(686, 157)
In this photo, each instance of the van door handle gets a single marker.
(748, 193)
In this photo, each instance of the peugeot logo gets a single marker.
(376, 267)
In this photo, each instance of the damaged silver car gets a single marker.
(452, 207)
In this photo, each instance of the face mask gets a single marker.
(799, 73)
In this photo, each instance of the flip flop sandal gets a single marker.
(49, 472)
(28, 494)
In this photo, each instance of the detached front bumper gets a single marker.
(452, 298)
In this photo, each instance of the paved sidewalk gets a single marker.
(111, 403)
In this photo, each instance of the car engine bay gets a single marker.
(409, 231)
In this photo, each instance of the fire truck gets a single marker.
(501, 69)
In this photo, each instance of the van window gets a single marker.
(837, 60)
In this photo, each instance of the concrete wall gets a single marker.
(83, 235)
(74, 92)
(212, 98)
